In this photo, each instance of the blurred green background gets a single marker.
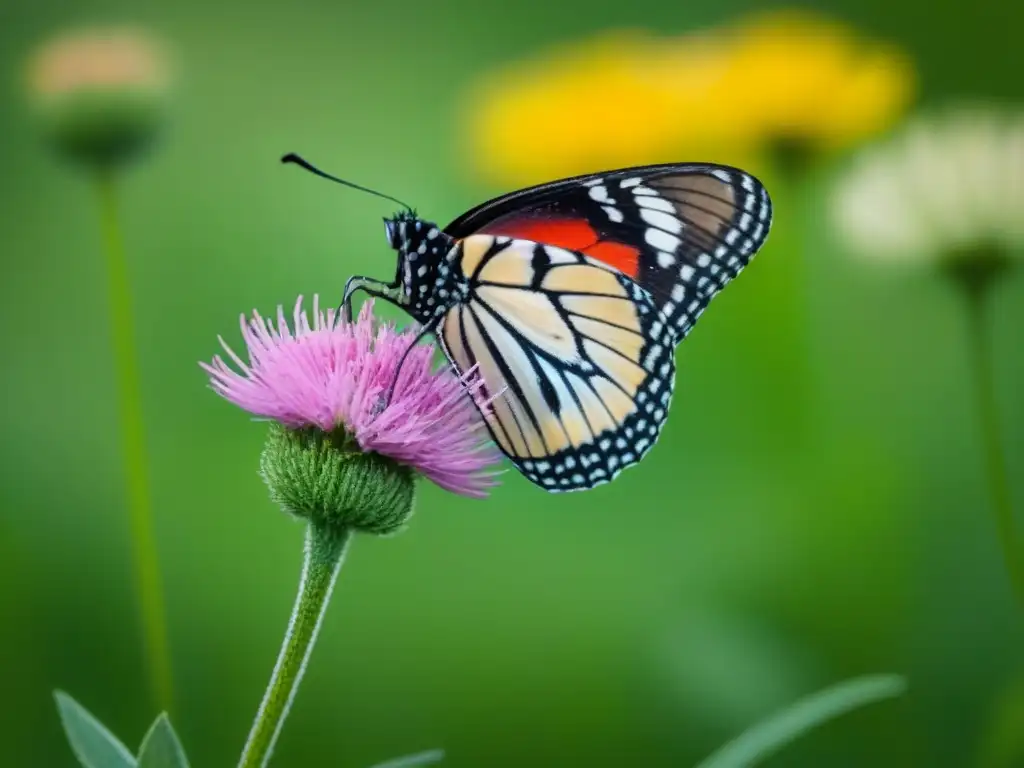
(796, 525)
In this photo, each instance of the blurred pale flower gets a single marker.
(100, 58)
(785, 79)
(948, 191)
(946, 186)
(100, 94)
(332, 375)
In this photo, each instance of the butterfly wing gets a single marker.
(577, 356)
(681, 231)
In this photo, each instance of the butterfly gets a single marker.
(569, 299)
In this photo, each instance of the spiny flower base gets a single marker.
(325, 478)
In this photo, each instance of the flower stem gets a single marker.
(995, 459)
(133, 445)
(324, 553)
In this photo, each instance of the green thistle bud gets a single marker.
(100, 97)
(325, 478)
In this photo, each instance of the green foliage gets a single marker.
(161, 748)
(92, 743)
(96, 747)
(772, 734)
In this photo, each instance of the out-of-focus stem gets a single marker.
(133, 445)
(992, 445)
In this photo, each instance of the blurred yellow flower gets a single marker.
(580, 107)
(805, 79)
(628, 97)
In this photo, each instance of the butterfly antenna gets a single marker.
(291, 157)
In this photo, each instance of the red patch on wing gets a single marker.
(624, 258)
(573, 235)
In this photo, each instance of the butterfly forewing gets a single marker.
(576, 355)
(680, 231)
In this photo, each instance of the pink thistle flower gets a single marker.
(334, 375)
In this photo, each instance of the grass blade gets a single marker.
(772, 734)
(411, 761)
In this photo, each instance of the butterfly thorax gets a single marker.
(428, 283)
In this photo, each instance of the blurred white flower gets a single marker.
(945, 186)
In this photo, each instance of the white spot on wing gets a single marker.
(599, 193)
(657, 203)
(662, 220)
(663, 241)
(614, 214)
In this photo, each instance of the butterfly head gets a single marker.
(399, 228)
(423, 282)
(422, 272)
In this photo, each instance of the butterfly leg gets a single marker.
(384, 401)
(378, 288)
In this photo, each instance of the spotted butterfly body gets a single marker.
(569, 299)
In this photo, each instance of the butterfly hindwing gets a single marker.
(577, 356)
(681, 231)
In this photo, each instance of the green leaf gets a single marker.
(774, 733)
(92, 743)
(420, 758)
(161, 748)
